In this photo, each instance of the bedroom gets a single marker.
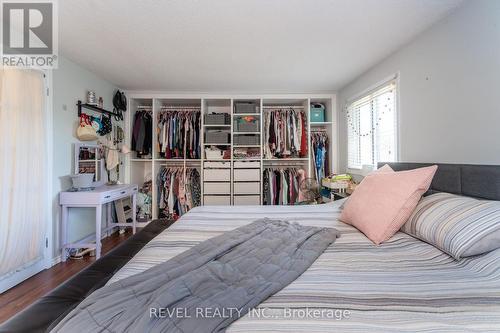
(250, 166)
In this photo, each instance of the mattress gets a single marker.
(403, 285)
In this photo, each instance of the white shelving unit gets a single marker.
(139, 170)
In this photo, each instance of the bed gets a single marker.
(404, 285)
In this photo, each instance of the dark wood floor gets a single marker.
(16, 299)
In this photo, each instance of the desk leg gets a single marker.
(64, 228)
(98, 226)
(108, 218)
(134, 207)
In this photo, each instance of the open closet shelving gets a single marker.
(235, 180)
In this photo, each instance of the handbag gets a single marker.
(106, 125)
(119, 104)
(85, 131)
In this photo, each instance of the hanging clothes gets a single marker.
(320, 147)
(179, 190)
(285, 133)
(142, 132)
(282, 186)
(178, 134)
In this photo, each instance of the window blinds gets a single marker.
(371, 127)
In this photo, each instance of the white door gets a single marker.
(24, 174)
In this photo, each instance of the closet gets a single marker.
(227, 149)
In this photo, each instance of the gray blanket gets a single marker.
(207, 287)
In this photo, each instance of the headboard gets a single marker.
(472, 180)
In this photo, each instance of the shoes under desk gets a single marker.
(96, 198)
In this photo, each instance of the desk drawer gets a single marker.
(246, 175)
(245, 200)
(217, 188)
(247, 188)
(217, 175)
(111, 196)
(217, 200)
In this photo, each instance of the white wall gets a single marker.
(449, 89)
(70, 84)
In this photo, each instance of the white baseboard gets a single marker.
(56, 260)
(19, 276)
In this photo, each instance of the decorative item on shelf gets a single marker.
(101, 102)
(91, 98)
(317, 113)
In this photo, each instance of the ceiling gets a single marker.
(239, 45)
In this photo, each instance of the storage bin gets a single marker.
(246, 107)
(217, 200)
(246, 165)
(217, 119)
(215, 137)
(317, 113)
(246, 175)
(247, 188)
(217, 165)
(216, 175)
(243, 200)
(247, 139)
(217, 188)
(241, 125)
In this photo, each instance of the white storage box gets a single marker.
(217, 188)
(216, 175)
(216, 200)
(244, 200)
(245, 165)
(219, 165)
(246, 175)
(247, 188)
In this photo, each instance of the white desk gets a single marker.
(97, 198)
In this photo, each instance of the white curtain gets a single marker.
(23, 177)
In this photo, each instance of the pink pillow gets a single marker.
(384, 168)
(384, 200)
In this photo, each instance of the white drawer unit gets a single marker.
(217, 188)
(244, 200)
(246, 175)
(246, 165)
(247, 188)
(217, 175)
(217, 200)
(217, 165)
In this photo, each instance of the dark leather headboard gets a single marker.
(472, 180)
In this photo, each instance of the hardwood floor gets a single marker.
(16, 299)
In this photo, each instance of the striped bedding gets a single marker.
(404, 285)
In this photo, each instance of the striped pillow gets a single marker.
(459, 226)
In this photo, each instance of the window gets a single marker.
(372, 127)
